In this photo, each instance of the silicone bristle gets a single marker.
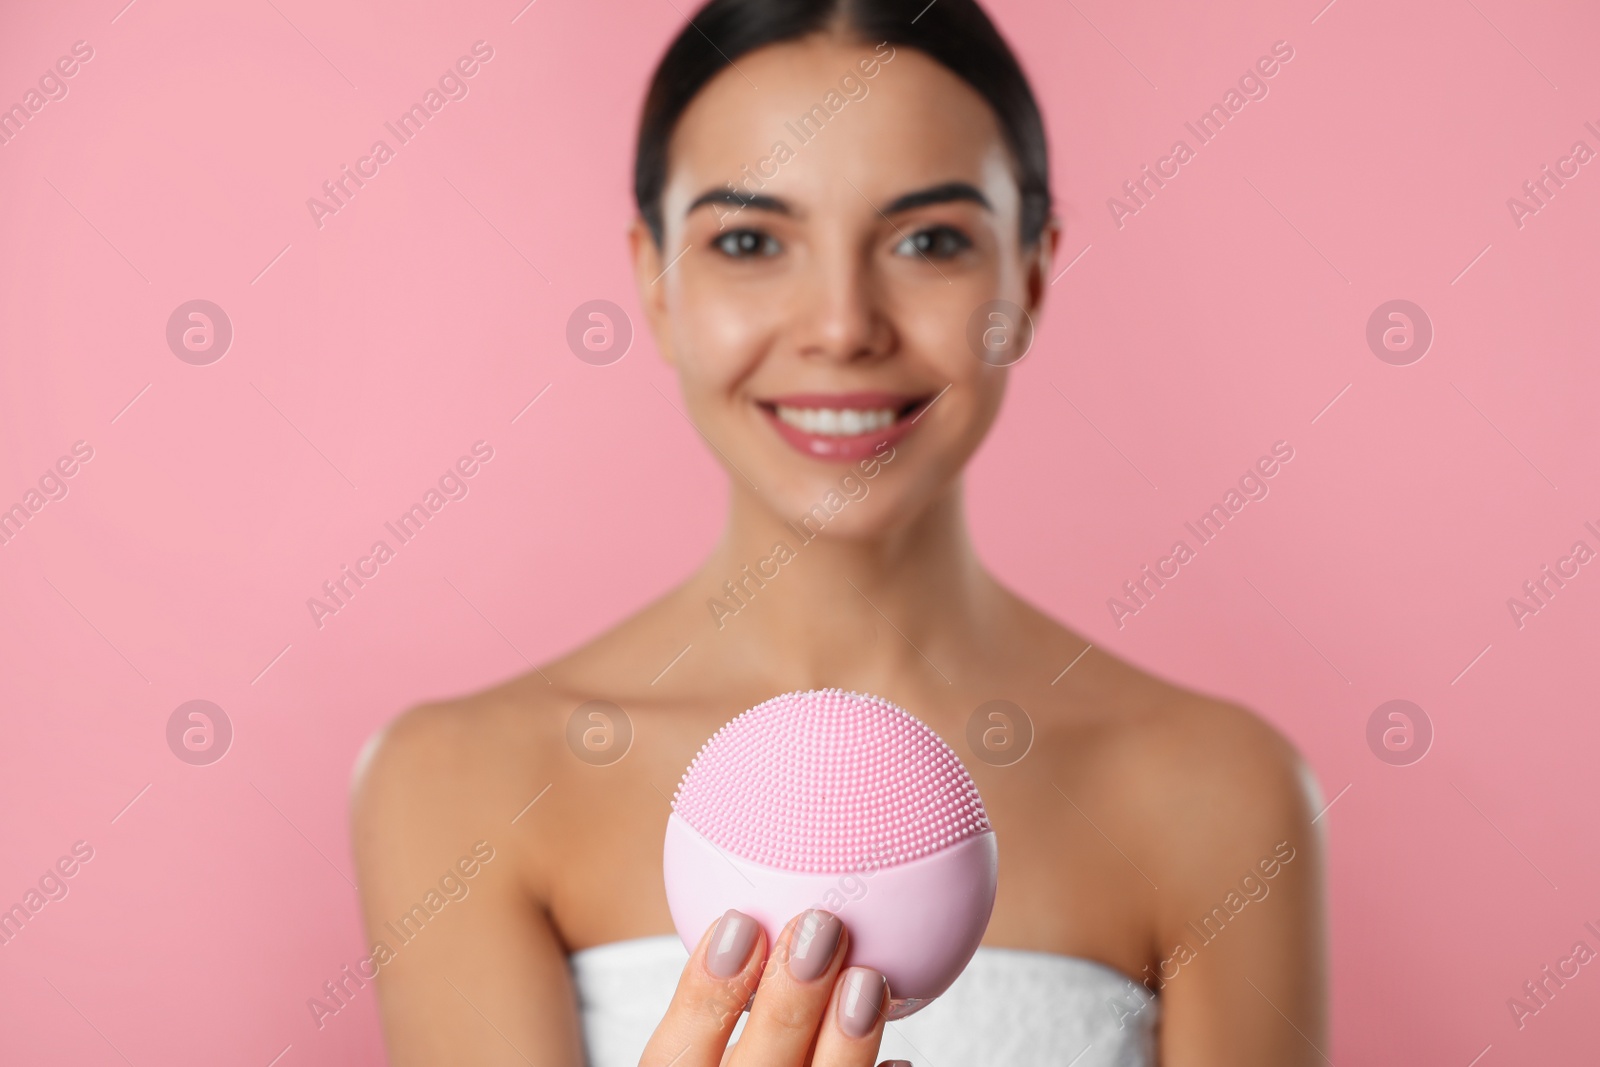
(829, 781)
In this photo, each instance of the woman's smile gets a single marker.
(843, 426)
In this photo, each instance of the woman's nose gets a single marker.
(840, 317)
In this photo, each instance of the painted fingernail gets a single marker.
(731, 943)
(811, 948)
(860, 997)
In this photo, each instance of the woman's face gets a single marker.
(830, 312)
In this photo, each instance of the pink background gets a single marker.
(371, 353)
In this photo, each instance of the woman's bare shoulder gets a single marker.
(1205, 787)
(458, 736)
(443, 768)
(457, 770)
(518, 723)
(1196, 772)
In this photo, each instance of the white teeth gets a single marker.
(845, 422)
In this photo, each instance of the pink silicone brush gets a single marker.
(841, 801)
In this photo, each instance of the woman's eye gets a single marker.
(935, 242)
(743, 244)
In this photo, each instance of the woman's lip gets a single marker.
(841, 448)
(859, 401)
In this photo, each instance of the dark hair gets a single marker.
(954, 33)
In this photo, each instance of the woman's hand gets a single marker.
(805, 1014)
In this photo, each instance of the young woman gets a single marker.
(829, 193)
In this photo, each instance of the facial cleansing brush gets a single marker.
(845, 802)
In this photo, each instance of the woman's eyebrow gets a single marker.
(725, 195)
(943, 193)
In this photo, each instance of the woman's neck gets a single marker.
(801, 606)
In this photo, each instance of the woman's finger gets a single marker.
(853, 1026)
(713, 990)
(793, 994)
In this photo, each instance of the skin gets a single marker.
(1140, 805)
